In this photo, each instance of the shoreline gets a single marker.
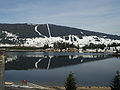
(58, 88)
(35, 49)
(32, 86)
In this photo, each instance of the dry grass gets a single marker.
(84, 88)
(62, 88)
(93, 88)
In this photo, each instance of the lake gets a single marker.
(90, 69)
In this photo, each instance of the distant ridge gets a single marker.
(42, 35)
(27, 30)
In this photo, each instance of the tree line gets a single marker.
(70, 83)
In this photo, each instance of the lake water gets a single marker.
(90, 69)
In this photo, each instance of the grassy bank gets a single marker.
(32, 86)
(58, 88)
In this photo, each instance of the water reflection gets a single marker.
(25, 61)
(51, 68)
(2, 71)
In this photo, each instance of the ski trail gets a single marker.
(39, 32)
(36, 64)
(49, 63)
(49, 30)
(83, 33)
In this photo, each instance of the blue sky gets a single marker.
(94, 15)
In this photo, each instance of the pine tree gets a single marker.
(115, 84)
(70, 82)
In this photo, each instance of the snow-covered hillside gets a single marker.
(10, 38)
(72, 39)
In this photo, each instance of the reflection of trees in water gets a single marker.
(51, 62)
(10, 59)
(117, 55)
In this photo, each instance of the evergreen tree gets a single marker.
(46, 46)
(70, 82)
(115, 84)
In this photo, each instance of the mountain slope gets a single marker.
(39, 35)
(28, 31)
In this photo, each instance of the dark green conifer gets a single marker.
(115, 84)
(70, 83)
